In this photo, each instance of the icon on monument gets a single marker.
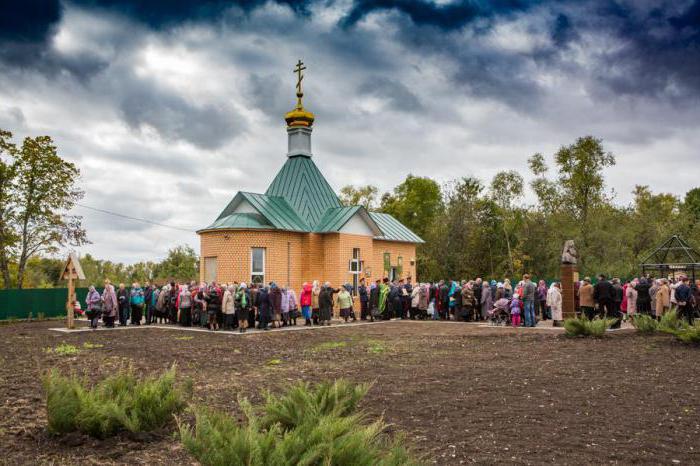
(569, 255)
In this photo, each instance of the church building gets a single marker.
(299, 231)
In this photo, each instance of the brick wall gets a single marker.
(311, 256)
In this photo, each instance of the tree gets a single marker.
(416, 203)
(366, 196)
(8, 238)
(182, 263)
(44, 190)
(506, 187)
(692, 204)
(581, 179)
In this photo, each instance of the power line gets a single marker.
(115, 214)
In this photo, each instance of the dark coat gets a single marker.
(362, 291)
(643, 296)
(374, 298)
(264, 305)
(325, 299)
(603, 292)
(276, 299)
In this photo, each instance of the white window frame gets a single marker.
(253, 273)
(356, 264)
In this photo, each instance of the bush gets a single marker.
(583, 327)
(645, 323)
(119, 402)
(308, 426)
(670, 322)
(688, 333)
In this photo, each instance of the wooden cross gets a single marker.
(298, 70)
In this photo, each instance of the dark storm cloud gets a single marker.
(207, 126)
(398, 96)
(447, 16)
(658, 53)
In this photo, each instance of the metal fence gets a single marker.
(49, 302)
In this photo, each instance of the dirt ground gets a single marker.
(460, 392)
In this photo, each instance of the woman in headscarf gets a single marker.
(284, 306)
(276, 301)
(293, 306)
(315, 293)
(305, 303)
(554, 302)
(123, 300)
(94, 307)
(137, 300)
(264, 308)
(507, 289)
(486, 300)
(184, 306)
(345, 304)
(663, 298)
(110, 305)
(541, 297)
(325, 302)
(631, 294)
(228, 308)
(243, 304)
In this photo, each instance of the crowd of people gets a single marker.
(239, 306)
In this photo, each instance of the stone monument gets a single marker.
(568, 277)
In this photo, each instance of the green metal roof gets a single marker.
(393, 230)
(241, 220)
(277, 212)
(303, 186)
(334, 219)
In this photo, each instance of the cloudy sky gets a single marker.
(170, 107)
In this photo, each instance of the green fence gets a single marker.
(51, 302)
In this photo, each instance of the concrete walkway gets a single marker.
(541, 326)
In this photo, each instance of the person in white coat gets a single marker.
(554, 302)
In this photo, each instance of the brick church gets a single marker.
(299, 231)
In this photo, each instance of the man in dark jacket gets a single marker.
(604, 296)
(444, 301)
(374, 300)
(364, 299)
(684, 299)
(394, 301)
(325, 304)
(148, 297)
(477, 295)
(264, 306)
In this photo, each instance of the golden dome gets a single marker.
(299, 117)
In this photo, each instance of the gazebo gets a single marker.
(673, 257)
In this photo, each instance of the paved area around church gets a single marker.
(462, 393)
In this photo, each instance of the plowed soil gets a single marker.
(462, 393)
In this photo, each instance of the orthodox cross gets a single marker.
(298, 70)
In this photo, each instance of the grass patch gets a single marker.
(308, 425)
(185, 338)
(375, 347)
(64, 349)
(88, 345)
(274, 362)
(583, 327)
(121, 402)
(328, 346)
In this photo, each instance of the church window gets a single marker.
(257, 266)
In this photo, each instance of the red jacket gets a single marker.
(305, 297)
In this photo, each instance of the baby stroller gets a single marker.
(499, 315)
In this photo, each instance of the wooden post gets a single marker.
(72, 271)
(69, 304)
(569, 275)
